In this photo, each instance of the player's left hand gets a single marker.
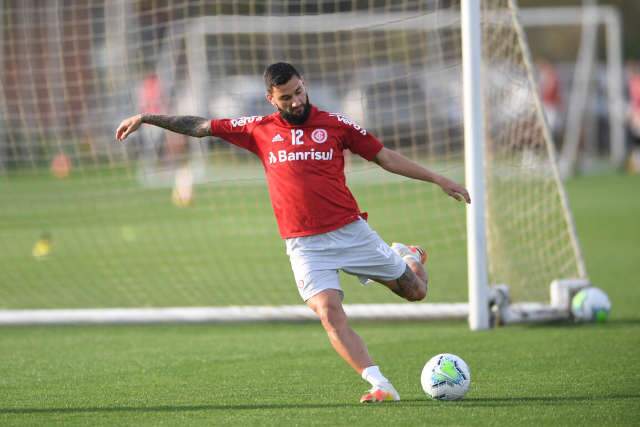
(454, 190)
(128, 126)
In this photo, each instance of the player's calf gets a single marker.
(409, 286)
(412, 284)
(412, 287)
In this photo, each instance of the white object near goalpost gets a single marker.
(519, 229)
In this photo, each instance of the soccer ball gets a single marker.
(590, 305)
(445, 377)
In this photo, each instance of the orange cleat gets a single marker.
(380, 394)
(421, 252)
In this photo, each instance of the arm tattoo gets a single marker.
(186, 125)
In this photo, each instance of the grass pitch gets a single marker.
(287, 374)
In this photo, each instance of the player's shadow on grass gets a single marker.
(627, 321)
(468, 402)
(175, 408)
(624, 321)
(528, 400)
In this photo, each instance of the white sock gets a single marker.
(373, 375)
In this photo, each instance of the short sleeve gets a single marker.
(359, 141)
(236, 131)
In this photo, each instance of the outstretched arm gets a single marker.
(186, 125)
(395, 162)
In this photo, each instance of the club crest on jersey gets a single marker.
(319, 136)
(277, 138)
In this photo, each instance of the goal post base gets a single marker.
(502, 311)
(533, 313)
(238, 314)
(561, 293)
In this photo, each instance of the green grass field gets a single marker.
(287, 374)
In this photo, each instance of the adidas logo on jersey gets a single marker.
(277, 138)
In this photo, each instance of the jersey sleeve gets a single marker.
(361, 142)
(236, 131)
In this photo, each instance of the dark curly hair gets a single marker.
(278, 74)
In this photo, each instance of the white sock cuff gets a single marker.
(404, 252)
(373, 376)
(368, 370)
(412, 257)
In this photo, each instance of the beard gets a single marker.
(297, 118)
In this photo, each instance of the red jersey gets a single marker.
(304, 166)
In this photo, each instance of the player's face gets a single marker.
(291, 100)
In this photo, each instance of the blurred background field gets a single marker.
(136, 249)
(130, 244)
(275, 374)
(88, 222)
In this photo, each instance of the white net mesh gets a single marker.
(167, 220)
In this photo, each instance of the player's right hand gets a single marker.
(128, 126)
(454, 190)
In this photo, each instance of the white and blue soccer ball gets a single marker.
(590, 305)
(445, 377)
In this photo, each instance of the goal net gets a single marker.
(582, 83)
(185, 226)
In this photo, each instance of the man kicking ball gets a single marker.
(301, 148)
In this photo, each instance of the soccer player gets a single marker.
(301, 148)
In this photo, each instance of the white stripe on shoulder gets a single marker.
(347, 121)
(241, 121)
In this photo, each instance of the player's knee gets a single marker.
(332, 317)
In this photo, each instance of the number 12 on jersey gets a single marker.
(296, 137)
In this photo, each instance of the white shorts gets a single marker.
(355, 249)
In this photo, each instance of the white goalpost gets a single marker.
(448, 83)
(474, 164)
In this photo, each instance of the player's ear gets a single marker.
(270, 100)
